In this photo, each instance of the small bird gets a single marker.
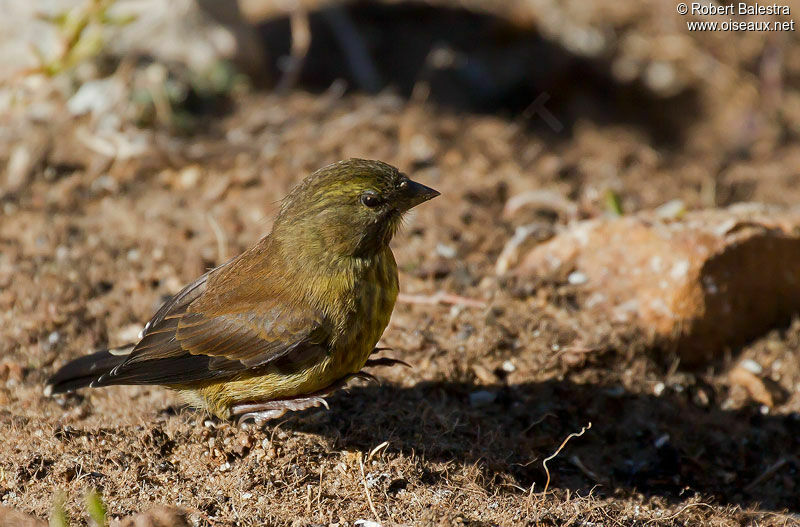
(289, 320)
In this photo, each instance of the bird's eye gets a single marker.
(370, 199)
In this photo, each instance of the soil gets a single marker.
(91, 244)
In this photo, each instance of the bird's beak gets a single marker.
(416, 193)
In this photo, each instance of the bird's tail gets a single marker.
(82, 372)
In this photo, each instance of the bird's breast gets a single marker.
(374, 296)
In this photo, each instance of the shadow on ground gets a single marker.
(664, 446)
(470, 61)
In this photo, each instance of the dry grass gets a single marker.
(91, 243)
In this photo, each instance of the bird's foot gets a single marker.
(266, 410)
(260, 412)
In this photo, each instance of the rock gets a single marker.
(481, 398)
(12, 518)
(525, 237)
(483, 374)
(702, 281)
(160, 516)
(11, 371)
(24, 160)
(751, 382)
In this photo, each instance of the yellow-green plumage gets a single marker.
(365, 297)
(289, 318)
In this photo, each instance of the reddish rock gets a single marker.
(160, 516)
(12, 518)
(704, 281)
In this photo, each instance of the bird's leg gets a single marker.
(265, 410)
(260, 412)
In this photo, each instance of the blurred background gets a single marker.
(616, 243)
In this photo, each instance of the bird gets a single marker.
(288, 321)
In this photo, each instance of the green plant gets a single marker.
(81, 35)
(94, 507)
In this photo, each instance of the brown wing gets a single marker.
(180, 345)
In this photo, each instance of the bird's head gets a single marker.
(349, 208)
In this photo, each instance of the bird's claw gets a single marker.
(386, 361)
(267, 410)
(264, 411)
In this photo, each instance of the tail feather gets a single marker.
(82, 372)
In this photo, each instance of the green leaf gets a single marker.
(96, 508)
(613, 203)
(58, 515)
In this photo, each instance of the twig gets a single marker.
(354, 47)
(672, 517)
(563, 444)
(589, 473)
(319, 492)
(377, 449)
(440, 297)
(543, 199)
(771, 470)
(537, 422)
(301, 42)
(366, 489)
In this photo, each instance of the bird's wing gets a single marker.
(181, 345)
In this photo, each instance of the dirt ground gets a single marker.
(96, 236)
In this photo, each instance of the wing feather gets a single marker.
(181, 345)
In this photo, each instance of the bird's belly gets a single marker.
(348, 354)
(267, 385)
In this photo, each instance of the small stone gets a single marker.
(446, 251)
(11, 372)
(673, 209)
(189, 177)
(508, 366)
(577, 278)
(752, 366)
(481, 398)
(483, 374)
(19, 168)
(753, 384)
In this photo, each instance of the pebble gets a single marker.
(661, 441)
(577, 278)
(509, 367)
(446, 251)
(752, 366)
(481, 398)
(53, 338)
